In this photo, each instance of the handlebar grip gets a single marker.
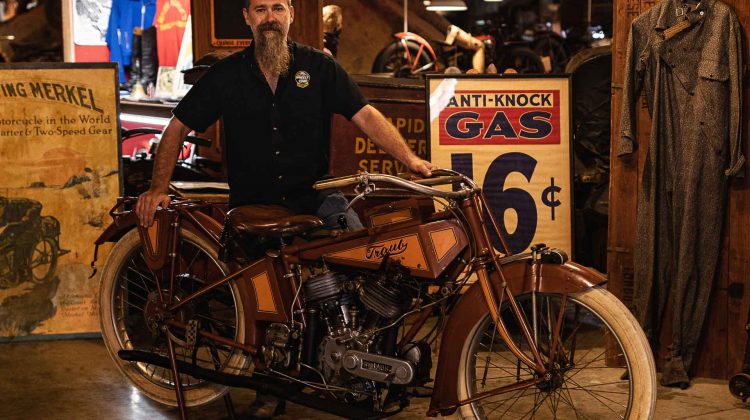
(126, 134)
(439, 180)
(341, 182)
(198, 141)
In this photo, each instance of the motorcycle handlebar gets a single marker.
(422, 186)
(198, 141)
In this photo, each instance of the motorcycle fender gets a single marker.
(471, 307)
(156, 238)
(117, 229)
(409, 36)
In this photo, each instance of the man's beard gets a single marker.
(271, 50)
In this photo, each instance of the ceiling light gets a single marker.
(446, 5)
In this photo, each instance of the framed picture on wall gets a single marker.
(511, 134)
(228, 27)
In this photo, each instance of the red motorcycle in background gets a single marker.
(347, 322)
(411, 55)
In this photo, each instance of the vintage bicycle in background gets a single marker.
(347, 321)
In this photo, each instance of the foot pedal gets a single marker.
(191, 335)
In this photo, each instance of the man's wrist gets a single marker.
(159, 189)
(413, 159)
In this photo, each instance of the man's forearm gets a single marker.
(167, 154)
(384, 134)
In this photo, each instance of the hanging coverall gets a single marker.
(693, 83)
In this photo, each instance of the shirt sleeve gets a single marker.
(201, 107)
(736, 71)
(342, 95)
(631, 90)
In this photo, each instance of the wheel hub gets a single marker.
(155, 313)
(552, 381)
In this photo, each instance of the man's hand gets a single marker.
(145, 209)
(166, 156)
(421, 166)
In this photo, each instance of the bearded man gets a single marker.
(276, 99)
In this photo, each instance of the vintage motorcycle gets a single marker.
(44, 251)
(347, 321)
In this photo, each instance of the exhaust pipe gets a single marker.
(267, 385)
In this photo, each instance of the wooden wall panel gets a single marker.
(739, 235)
(308, 23)
(200, 14)
(722, 345)
(307, 27)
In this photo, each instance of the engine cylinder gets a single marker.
(323, 286)
(381, 299)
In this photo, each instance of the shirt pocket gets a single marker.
(713, 92)
(714, 109)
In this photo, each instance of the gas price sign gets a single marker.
(511, 134)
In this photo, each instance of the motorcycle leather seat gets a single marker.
(270, 220)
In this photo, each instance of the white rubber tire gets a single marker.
(165, 394)
(632, 339)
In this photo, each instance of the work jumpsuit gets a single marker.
(692, 83)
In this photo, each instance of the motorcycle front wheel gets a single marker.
(603, 367)
(127, 298)
(402, 59)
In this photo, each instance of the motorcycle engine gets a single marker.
(352, 352)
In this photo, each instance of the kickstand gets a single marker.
(176, 376)
(230, 405)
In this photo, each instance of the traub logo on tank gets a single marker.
(501, 117)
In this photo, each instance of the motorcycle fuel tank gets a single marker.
(425, 249)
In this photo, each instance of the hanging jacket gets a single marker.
(124, 17)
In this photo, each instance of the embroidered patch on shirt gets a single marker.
(302, 78)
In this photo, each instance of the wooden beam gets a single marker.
(307, 27)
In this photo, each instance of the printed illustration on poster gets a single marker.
(59, 144)
(511, 134)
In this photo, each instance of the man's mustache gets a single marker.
(270, 26)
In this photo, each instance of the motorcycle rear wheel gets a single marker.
(43, 260)
(522, 60)
(128, 286)
(587, 381)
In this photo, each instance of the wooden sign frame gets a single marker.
(512, 135)
(60, 147)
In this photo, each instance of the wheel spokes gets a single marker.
(571, 340)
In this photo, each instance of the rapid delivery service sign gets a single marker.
(511, 134)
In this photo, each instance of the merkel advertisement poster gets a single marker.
(59, 148)
(511, 134)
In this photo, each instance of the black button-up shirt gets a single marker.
(276, 145)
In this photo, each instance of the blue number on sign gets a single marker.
(500, 200)
(463, 164)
